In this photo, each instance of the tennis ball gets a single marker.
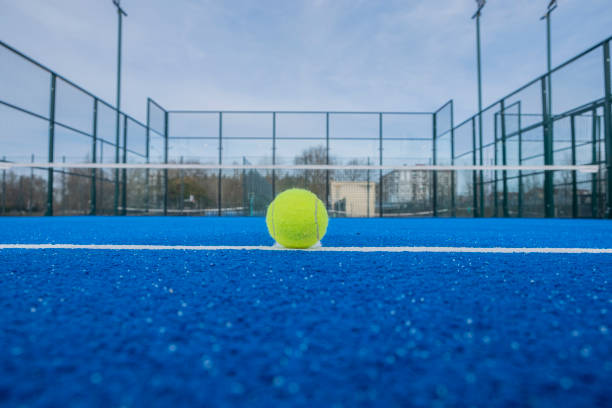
(296, 219)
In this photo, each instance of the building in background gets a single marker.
(410, 192)
(353, 198)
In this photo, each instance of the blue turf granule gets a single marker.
(99, 328)
(260, 329)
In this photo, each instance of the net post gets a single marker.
(574, 181)
(124, 171)
(220, 162)
(165, 162)
(49, 210)
(94, 153)
(327, 160)
(434, 175)
(608, 127)
(380, 160)
(549, 204)
(504, 159)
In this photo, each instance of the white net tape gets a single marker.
(194, 166)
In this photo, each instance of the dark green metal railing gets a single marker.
(596, 110)
(520, 128)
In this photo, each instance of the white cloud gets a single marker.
(322, 54)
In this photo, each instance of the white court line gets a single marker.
(421, 249)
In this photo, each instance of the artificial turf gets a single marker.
(260, 329)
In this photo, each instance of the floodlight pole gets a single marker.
(548, 62)
(120, 14)
(476, 16)
(547, 116)
(551, 6)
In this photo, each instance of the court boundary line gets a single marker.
(395, 249)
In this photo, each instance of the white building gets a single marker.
(353, 198)
(412, 186)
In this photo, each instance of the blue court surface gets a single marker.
(253, 328)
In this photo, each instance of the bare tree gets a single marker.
(357, 175)
(313, 180)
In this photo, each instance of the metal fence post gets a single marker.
(148, 154)
(245, 187)
(102, 178)
(368, 190)
(181, 203)
(520, 161)
(434, 174)
(165, 162)
(594, 190)
(327, 160)
(49, 211)
(120, 14)
(273, 154)
(117, 160)
(453, 174)
(495, 141)
(504, 160)
(481, 173)
(220, 162)
(3, 188)
(20, 204)
(601, 181)
(608, 128)
(31, 201)
(124, 171)
(478, 57)
(574, 186)
(380, 158)
(549, 203)
(94, 154)
(474, 173)
(65, 195)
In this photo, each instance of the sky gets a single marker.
(386, 55)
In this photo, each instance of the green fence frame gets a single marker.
(599, 109)
(548, 119)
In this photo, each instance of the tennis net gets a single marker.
(347, 190)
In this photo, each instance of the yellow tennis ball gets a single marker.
(297, 219)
